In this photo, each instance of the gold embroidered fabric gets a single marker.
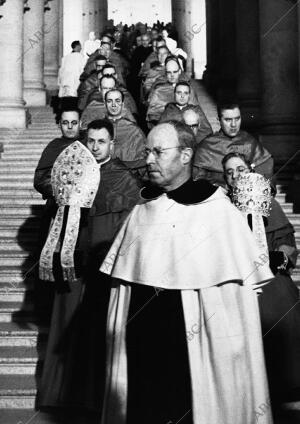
(252, 195)
(75, 179)
(46, 258)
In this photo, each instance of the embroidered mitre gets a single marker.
(252, 195)
(75, 178)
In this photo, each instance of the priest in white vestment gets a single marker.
(71, 68)
(91, 45)
(183, 331)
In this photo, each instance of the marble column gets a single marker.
(228, 54)
(97, 18)
(103, 15)
(280, 76)
(181, 11)
(34, 87)
(198, 37)
(88, 23)
(212, 70)
(248, 61)
(51, 34)
(61, 33)
(72, 23)
(12, 111)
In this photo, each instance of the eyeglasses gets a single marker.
(158, 151)
(194, 126)
(239, 169)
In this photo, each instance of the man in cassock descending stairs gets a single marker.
(183, 332)
(74, 367)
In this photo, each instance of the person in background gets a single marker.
(162, 91)
(69, 73)
(171, 44)
(279, 301)
(230, 138)
(194, 120)
(181, 104)
(77, 330)
(90, 45)
(90, 82)
(128, 136)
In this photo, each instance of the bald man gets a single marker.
(193, 117)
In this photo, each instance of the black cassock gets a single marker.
(74, 367)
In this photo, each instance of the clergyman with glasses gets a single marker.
(231, 138)
(183, 327)
(70, 131)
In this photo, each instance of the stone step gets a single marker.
(280, 197)
(18, 353)
(19, 162)
(16, 312)
(296, 275)
(8, 179)
(19, 210)
(35, 132)
(20, 156)
(14, 231)
(19, 220)
(281, 188)
(20, 366)
(294, 218)
(287, 207)
(26, 143)
(17, 391)
(16, 289)
(31, 192)
(12, 244)
(22, 150)
(17, 278)
(25, 334)
(15, 258)
(16, 178)
(12, 294)
(18, 200)
(9, 174)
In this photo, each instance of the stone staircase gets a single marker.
(22, 339)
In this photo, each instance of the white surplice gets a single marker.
(207, 251)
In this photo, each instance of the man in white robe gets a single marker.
(91, 45)
(71, 68)
(183, 332)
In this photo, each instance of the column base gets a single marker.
(51, 82)
(12, 117)
(34, 97)
(50, 78)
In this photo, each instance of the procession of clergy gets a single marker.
(169, 260)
